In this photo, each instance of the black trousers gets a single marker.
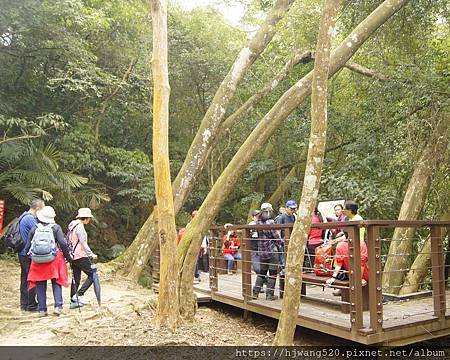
(27, 297)
(271, 266)
(81, 265)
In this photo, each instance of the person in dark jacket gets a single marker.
(26, 222)
(268, 241)
(56, 270)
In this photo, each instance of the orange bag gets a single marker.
(323, 261)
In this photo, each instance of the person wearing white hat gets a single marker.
(81, 253)
(50, 266)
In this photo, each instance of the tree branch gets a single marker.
(366, 72)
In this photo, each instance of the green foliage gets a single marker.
(71, 67)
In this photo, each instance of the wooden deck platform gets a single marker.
(320, 311)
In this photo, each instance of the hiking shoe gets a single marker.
(42, 313)
(196, 280)
(58, 311)
(80, 300)
(229, 272)
(337, 292)
(271, 297)
(74, 305)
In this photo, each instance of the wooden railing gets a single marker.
(376, 251)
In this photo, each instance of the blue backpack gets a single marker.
(43, 245)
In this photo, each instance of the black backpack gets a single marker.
(13, 239)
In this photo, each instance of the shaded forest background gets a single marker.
(75, 110)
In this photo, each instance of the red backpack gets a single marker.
(323, 261)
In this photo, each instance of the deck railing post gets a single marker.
(213, 273)
(246, 266)
(246, 271)
(375, 278)
(437, 272)
(355, 287)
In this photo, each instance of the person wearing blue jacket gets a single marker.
(26, 222)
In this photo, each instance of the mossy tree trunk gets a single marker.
(413, 203)
(311, 182)
(168, 314)
(188, 249)
(136, 256)
(416, 274)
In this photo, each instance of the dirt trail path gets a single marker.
(126, 317)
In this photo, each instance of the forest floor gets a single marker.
(127, 317)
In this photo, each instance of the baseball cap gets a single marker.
(291, 204)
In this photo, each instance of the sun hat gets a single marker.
(46, 215)
(291, 204)
(84, 213)
(266, 206)
(227, 225)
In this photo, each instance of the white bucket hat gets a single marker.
(84, 213)
(46, 215)
(266, 206)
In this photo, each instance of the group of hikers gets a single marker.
(268, 253)
(43, 250)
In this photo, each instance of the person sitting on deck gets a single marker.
(342, 262)
(351, 212)
(268, 242)
(338, 216)
(231, 244)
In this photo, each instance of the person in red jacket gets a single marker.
(342, 262)
(314, 240)
(231, 244)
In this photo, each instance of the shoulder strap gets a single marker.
(70, 233)
(22, 216)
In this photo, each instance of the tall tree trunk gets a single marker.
(416, 274)
(168, 309)
(413, 203)
(259, 185)
(311, 182)
(292, 98)
(136, 256)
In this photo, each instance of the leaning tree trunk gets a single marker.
(168, 309)
(413, 202)
(311, 182)
(416, 274)
(291, 99)
(137, 255)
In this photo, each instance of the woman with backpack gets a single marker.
(48, 249)
(82, 253)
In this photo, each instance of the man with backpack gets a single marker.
(81, 253)
(268, 241)
(26, 222)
